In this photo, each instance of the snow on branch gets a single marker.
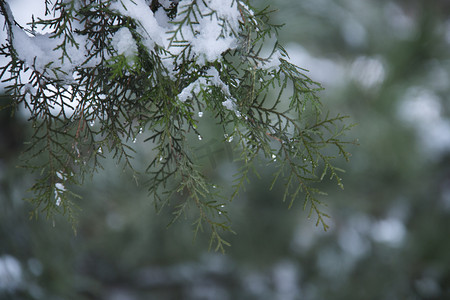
(96, 75)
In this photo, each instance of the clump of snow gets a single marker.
(215, 32)
(59, 188)
(214, 28)
(165, 3)
(162, 18)
(227, 10)
(212, 31)
(211, 77)
(149, 28)
(230, 104)
(124, 43)
(208, 43)
(42, 51)
(192, 89)
(61, 175)
(214, 78)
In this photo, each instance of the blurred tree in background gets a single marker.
(387, 63)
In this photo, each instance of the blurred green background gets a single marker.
(386, 63)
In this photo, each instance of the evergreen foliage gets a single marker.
(100, 94)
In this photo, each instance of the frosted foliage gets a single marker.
(215, 32)
(229, 104)
(149, 28)
(192, 89)
(215, 80)
(210, 38)
(41, 51)
(212, 78)
(110, 69)
(226, 9)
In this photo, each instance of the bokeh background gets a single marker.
(386, 64)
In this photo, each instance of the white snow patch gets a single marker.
(216, 30)
(124, 43)
(192, 89)
(230, 104)
(211, 77)
(162, 18)
(149, 28)
(214, 78)
(41, 51)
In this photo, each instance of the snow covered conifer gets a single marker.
(96, 74)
